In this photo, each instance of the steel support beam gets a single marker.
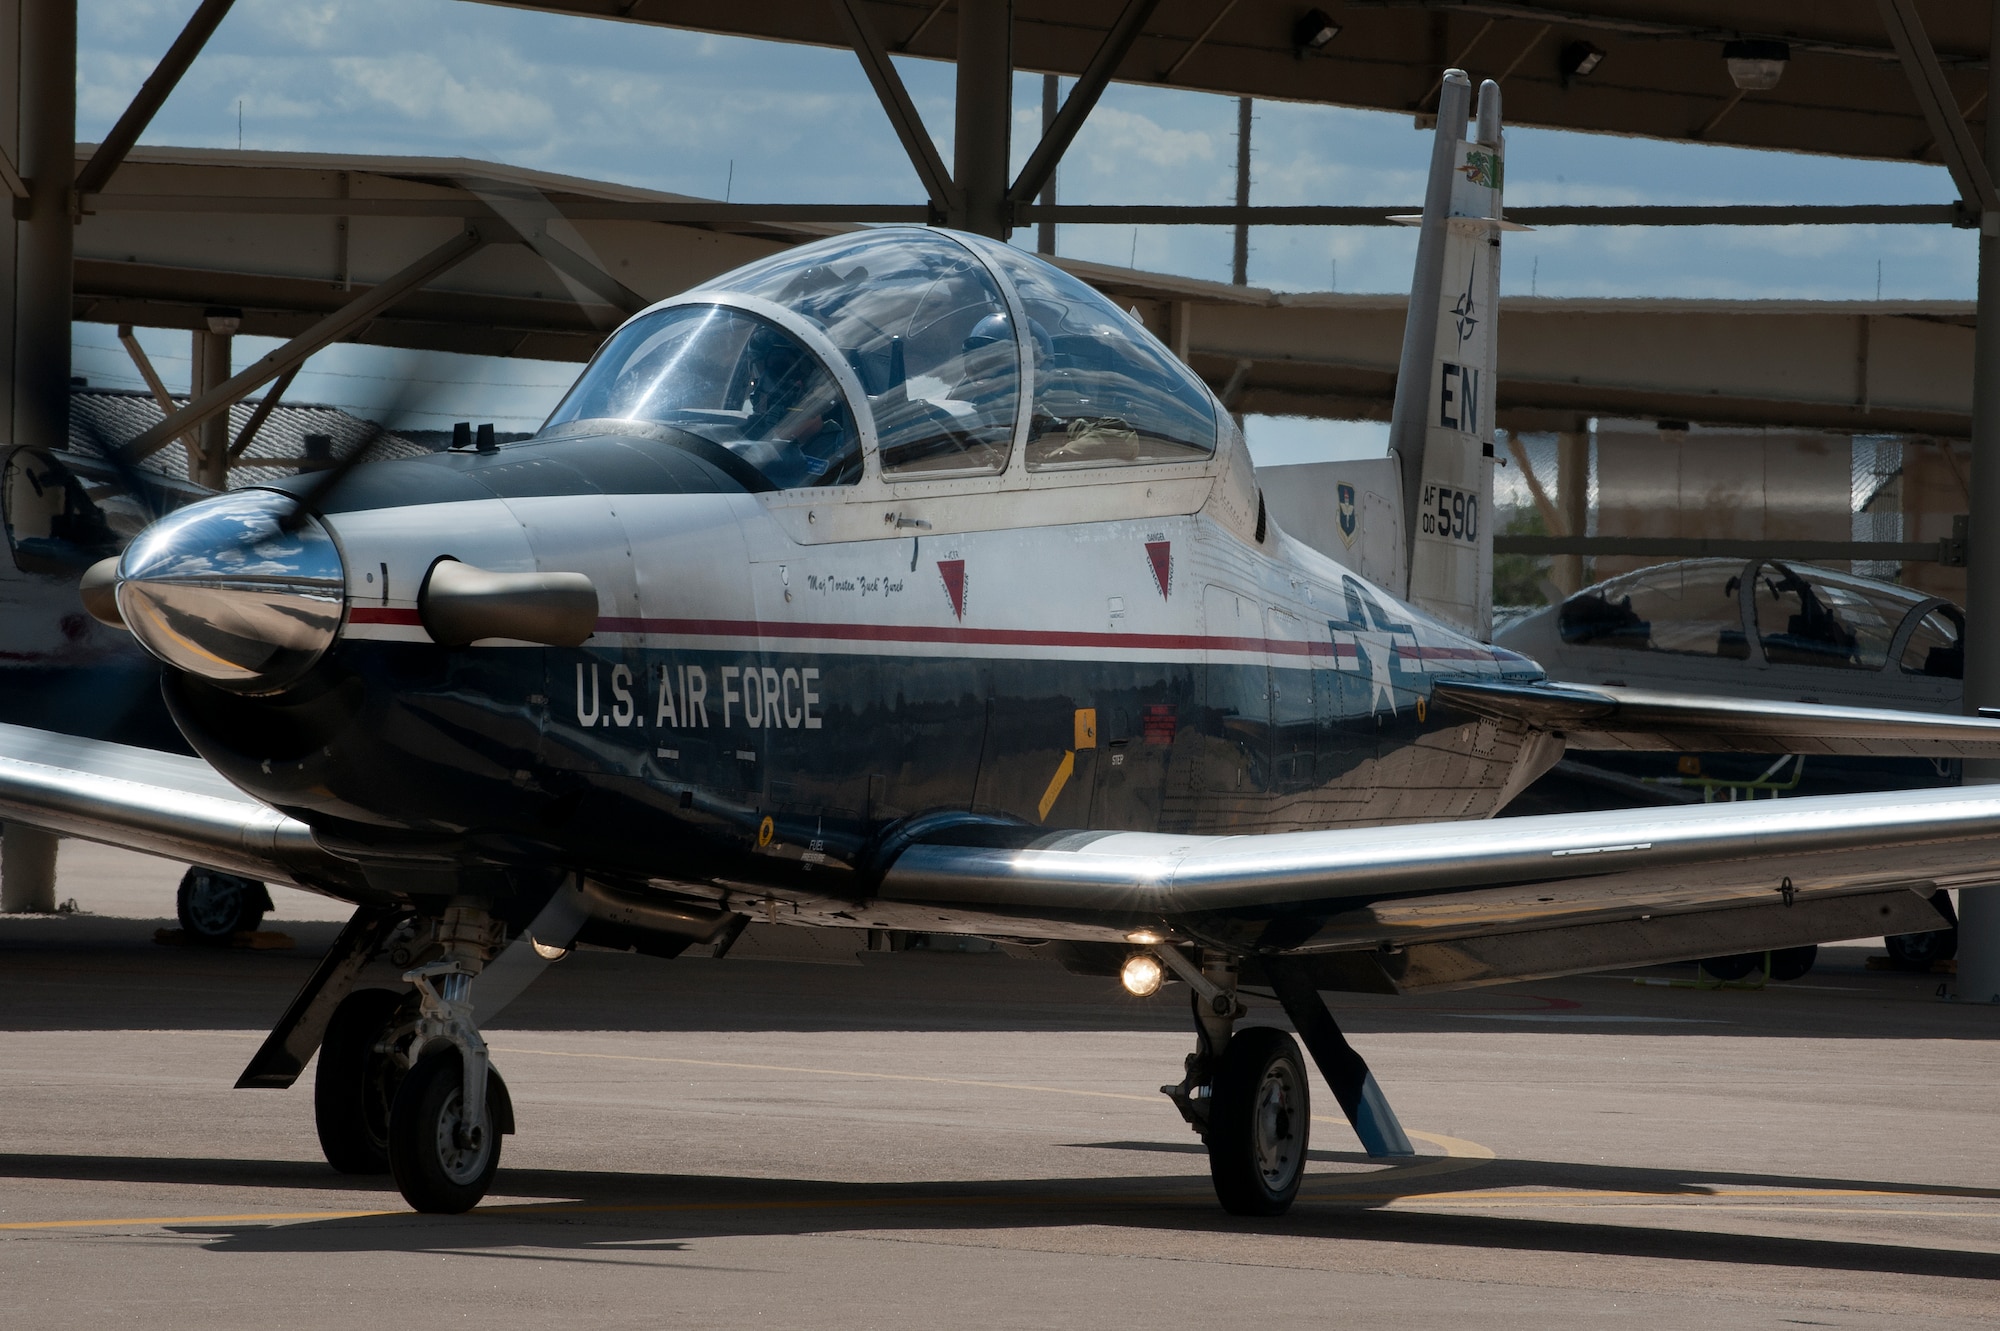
(152, 94)
(262, 411)
(1239, 265)
(210, 354)
(698, 212)
(45, 236)
(218, 400)
(985, 116)
(1979, 912)
(27, 864)
(1076, 107)
(1573, 499)
(895, 99)
(1954, 138)
(1045, 230)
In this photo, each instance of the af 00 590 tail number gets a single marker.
(1450, 514)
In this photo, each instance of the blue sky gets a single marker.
(698, 114)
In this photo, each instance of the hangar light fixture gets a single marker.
(1578, 59)
(1142, 975)
(1314, 30)
(1755, 66)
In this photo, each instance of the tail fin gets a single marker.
(1441, 431)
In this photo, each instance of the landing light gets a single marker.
(1142, 975)
(548, 951)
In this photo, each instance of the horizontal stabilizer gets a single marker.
(1643, 721)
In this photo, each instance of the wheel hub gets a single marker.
(1274, 1126)
(461, 1146)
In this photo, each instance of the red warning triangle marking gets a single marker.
(1162, 555)
(953, 573)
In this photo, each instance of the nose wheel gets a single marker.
(443, 1155)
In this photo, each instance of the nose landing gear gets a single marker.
(446, 1120)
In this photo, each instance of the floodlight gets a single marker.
(1755, 66)
(1314, 30)
(1578, 59)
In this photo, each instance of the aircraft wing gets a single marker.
(162, 804)
(1593, 717)
(1453, 904)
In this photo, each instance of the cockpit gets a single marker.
(1768, 612)
(907, 353)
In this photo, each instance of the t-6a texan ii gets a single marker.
(901, 581)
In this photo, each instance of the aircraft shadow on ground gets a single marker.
(601, 1213)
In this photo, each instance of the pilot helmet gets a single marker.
(993, 328)
(997, 327)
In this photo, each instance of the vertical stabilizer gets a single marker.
(1441, 432)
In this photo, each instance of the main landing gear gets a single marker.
(214, 906)
(1246, 1092)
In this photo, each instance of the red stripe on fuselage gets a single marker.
(975, 637)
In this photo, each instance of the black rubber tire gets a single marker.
(1733, 967)
(354, 1085)
(1918, 952)
(1259, 1122)
(420, 1121)
(212, 906)
(1794, 963)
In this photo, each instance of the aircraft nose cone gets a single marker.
(244, 590)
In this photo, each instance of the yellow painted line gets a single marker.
(1057, 782)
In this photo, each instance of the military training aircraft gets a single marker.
(901, 581)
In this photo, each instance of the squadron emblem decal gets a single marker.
(1349, 522)
(1161, 555)
(953, 573)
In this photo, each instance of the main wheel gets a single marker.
(1919, 952)
(213, 905)
(1794, 963)
(443, 1164)
(1259, 1117)
(356, 1083)
(1732, 967)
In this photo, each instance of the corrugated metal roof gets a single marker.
(102, 418)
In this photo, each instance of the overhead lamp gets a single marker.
(1577, 60)
(1756, 65)
(1314, 30)
(1142, 975)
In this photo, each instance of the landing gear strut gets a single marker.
(1247, 1094)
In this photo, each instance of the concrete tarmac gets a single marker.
(929, 1139)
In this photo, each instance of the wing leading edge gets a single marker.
(162, 804)
(1452, 904)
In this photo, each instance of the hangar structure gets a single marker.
(1892, 79)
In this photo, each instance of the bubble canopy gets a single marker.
(947, 344)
